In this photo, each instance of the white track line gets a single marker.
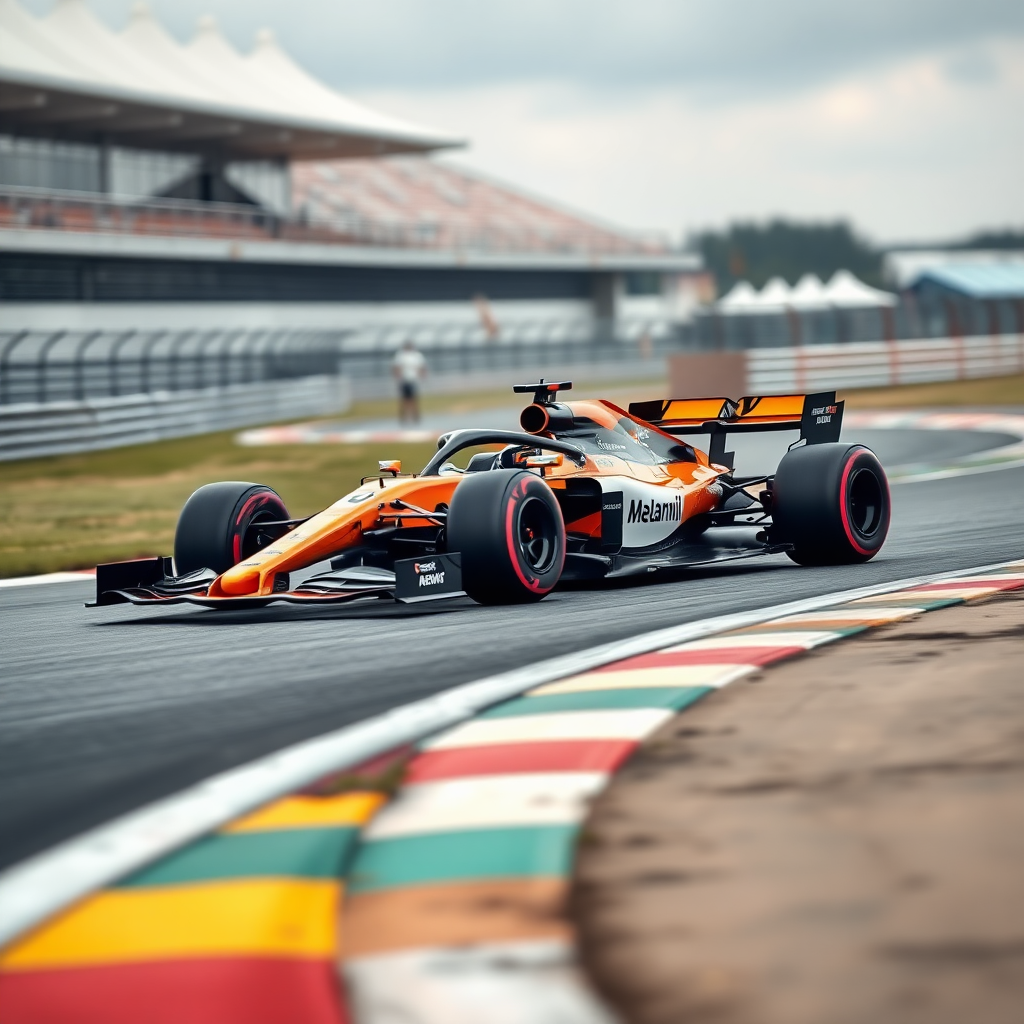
(49, 577)
(37, 888)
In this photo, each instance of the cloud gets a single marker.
(720, 49)
(905, 152)
(973, 64)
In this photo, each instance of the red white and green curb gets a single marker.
(457, 897)
(454, 895)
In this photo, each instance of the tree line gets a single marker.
(756, 253)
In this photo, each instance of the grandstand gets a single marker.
(154, 192)
(419, 202)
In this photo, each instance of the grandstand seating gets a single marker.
(417, 201)
(407, 202)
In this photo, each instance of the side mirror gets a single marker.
(538, 460)
(392, 466)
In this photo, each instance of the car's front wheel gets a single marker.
(223, 523)
(508, 527)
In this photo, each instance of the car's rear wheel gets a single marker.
(224, 523)
(508, 528)
(831, 502)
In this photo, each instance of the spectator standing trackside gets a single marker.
(409, 368)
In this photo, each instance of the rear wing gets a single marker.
(819, 417)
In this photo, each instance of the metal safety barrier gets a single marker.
(61, 365)
(882, 364)
(76, 365)
(30, 429)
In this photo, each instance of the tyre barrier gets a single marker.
(452, 896)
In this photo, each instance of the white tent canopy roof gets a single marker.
(741, 298)
(69, 76)
(843, 291)
(774, 295)
(809, 293)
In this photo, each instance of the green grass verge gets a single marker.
(72, 511)
(1007, 391)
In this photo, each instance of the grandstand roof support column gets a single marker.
(106, 171)
(606, 292)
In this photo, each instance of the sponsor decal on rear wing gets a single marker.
(819, 417)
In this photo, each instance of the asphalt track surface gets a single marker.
(104, 710)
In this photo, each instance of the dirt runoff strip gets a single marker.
(836, 839)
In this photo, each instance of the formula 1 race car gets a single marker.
(586, 491)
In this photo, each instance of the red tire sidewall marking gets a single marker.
(843, 502)
(236, 540)
(510, 538)
(520, 492)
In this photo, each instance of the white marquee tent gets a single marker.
(847, 292)
(843, 291)
(775, 295)
(69, 76)
(809, 293)
(742, 298)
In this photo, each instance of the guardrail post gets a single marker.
(172, 361)
(953, 323)
(79, 363)
(44, 351)
(5, 356)
(112, 360)
(247, 354)
(265, 355)
(224, 355)
(154, 337)
(200, 376)
(273, 354)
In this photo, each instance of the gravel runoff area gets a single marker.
(838, 839)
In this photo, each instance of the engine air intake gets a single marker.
(542, 419)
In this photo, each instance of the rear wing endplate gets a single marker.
(819, 417)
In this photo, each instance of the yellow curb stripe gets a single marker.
(642, 678)
(311, 812)
(270, 917)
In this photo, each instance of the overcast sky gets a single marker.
(904, 116)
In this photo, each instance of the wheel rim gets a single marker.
(865, 502)
(537, 535)
(257, 535)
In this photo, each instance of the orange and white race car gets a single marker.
(586, 491)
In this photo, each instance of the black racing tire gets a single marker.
(832, 503)
(219, 525)
(508, 528)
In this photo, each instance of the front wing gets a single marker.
(149, 581)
